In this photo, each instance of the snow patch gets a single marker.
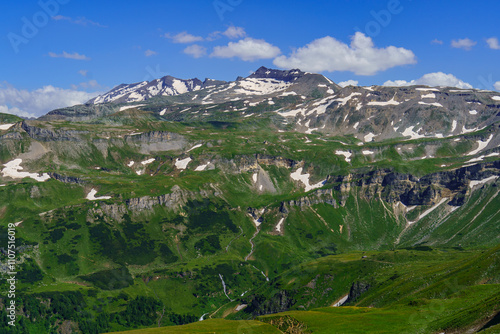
(131, 107)
(280, 225)
(472, 184)
(131, 163)
(6, 126)
(482, 146)
(391, 102)
(182, 164)
(435, 104)
(496, 98)
(92, 193)
(429, 96)
(147, 162)
(408, 132)
(304, 178)
(201, 168)
(473, 112)
(369, 137)
(367, 152)
(194, 147)
(347, 155)
(12, 169)
(425, 213)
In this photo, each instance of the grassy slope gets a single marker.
(310, 232)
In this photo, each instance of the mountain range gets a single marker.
(278, 202)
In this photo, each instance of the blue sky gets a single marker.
(79, 48)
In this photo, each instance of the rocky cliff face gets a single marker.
(410, 190)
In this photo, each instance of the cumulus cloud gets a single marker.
(437, 79)
(437, 41)
(149, 53)
(196, 51)
(497, 85)
(234, 32)
(348, 83)
(75, 55)
(39, 101)
(360, 57)
(247, 49)
(83, 21)
(493, 43)
(184, 38)
(464, 43)
(16, 111)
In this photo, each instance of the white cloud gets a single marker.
(184, 38)
(234, 32)
(247, 49)
(437, 79)
(360, 57)
(80, 20)
(86, 85)
(464, 43)
(437, 41)
(149, 53)
(75, 55)
(16, 111)
(348, 83)
(39, 101)
(497, 85)
(493, 43)
(83, 73)
(196, 51)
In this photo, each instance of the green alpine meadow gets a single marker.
(280, 202)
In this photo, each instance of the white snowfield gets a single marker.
(409, 132)
(391, 102)
(252, 86)
(131, 163)
(163, 112)
(482, 146)
(12, 169)
(427, 89)
(194, 147)
(369, 137)
(147, 162)
(344, 100)
(254, 177)
(341, 301)
(92, 193)
(473, 112)
(131, 107)
(280, 225)
(347, 155)
(201, 168)
(6, 126)
(435, 104)
(425, 213)
(495, 154)
(304, 178)
(182, 164)
(367, 152)
(429, 96)
(472, 184)
(496, 98)
(453, 125)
